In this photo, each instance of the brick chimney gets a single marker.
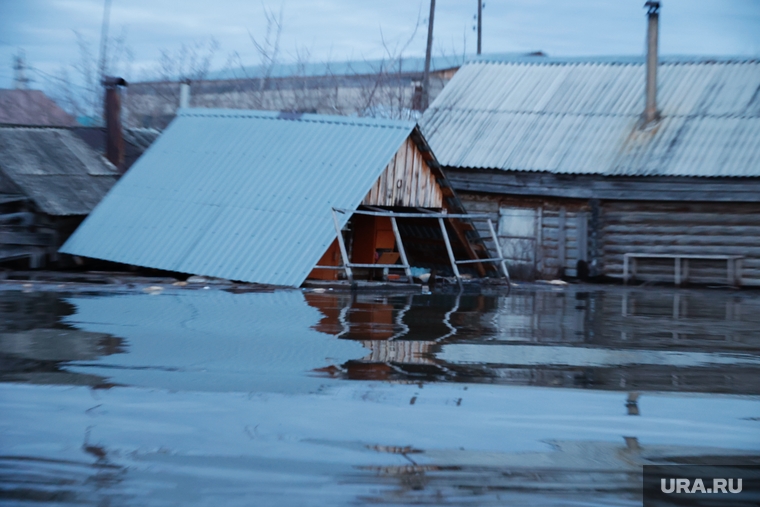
(653, 14)
(114, 134)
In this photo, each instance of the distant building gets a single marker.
(32, 108)
(388, 88)
(560, 151)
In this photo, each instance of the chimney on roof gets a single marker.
(184, 94)
(653, 15)
(114, 134)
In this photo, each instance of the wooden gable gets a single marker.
(406, 181)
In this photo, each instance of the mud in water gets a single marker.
(552, 396)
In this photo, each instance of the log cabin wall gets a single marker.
(551, 249)
(406, 181)
(697, 228)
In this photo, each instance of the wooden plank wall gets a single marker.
(689, 228)
(406, 181)
(560, 226)
(549, 240)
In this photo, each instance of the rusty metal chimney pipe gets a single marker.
(653, 15)
(114, 135)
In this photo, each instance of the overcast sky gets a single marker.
(351, 29)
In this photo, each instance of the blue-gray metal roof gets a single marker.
(241, 195)
(581, 116)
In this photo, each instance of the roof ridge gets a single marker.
(301, 117)
(578, 113)
(616, 60)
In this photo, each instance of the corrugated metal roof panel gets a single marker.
(581, 116)
(242, 195)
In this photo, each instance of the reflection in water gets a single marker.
(35, 343)
(612, 339)
(60, 482)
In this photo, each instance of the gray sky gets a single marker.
(343, 29)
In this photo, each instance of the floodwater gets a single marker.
(551, 396)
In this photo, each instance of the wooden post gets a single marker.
(498, 250)
(582, 236)
(343, 252)
(678, 271)
(450, 251)
(561, 247)
(539, 254)
(625, 269)
(401, 250)
(428, 56)
(738, 271)
(480, 24)
(634, 267)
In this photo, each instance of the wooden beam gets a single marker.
(27, 238)
(585, 186)
(343, 252)
(462, 237)
(401, 250)
(413, 215)
(561, 237)
(498, 251)
(452, 259)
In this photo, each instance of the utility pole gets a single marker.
(20, 81)
(480, 23)
(428, 54)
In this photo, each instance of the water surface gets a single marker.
(205, 397)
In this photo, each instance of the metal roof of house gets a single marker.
(241, 195)
(582, 116)
(54, 168)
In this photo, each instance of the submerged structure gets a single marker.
(50, 179)
(275, 198)
(53, 172)
(597, 165)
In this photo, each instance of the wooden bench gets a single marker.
(733, 265)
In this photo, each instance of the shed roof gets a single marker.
(582, 116)
(55, 169)
(242, 195)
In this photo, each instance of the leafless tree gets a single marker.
(386, 91)
(388, 88)
(78, 87)
(157, 96)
